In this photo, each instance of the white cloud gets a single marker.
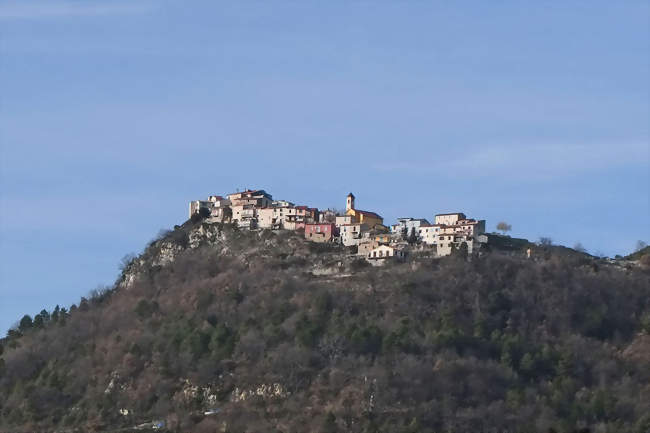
(26, 9)
(532, 161)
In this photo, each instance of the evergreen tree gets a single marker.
(55, 313)
(412, 238)
(25, 323)
(38, 321)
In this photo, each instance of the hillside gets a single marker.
(266, 332)
(639, 255)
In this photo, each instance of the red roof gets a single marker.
(365, 212)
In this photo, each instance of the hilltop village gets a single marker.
(365, 230)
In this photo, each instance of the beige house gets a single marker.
(258, 198)
(344, 219)
(385, 252)
(281, 217)
(471, 226)
(365, 246)
(449, 218)
(450, 240)
(265, 218)
(245, 216)
(351, 234)
(428, 233)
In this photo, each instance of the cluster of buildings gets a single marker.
(365, 230)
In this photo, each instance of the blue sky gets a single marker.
(114, 114)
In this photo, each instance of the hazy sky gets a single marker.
(114, 114)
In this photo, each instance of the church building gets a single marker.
(371, 219)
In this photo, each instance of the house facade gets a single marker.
(277, 218)
(462, 231)
(408, 226)
(307, 214)
(428, 233)
(352, 234)
(258, 198)
(244, 215)
(383, 252)
(365, 246)
(320, 232)
(449, 218)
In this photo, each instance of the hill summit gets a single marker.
(214, 328)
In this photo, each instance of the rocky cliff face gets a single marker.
(330, 260)
(164, 251)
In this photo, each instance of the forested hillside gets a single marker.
(275, 334)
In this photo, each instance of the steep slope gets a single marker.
(272, 333)
(639, 255)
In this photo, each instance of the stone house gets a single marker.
(449, 218)
(365, 246)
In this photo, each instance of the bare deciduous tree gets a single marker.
(504, 227)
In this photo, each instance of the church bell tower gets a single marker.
(350, 202)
